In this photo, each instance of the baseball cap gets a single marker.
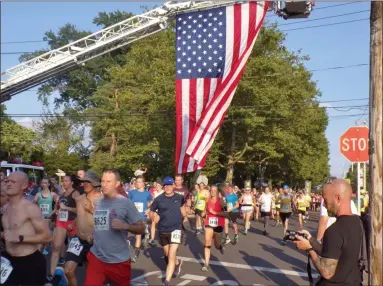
(91, 177)
(286, 187)
(168, 181)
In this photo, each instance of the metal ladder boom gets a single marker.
(41, 68)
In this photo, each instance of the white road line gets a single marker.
(185, 282)
(193, 277)
(250, 267)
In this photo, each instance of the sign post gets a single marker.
(354, 146)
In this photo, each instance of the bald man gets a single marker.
(338, 261)
(24, 230)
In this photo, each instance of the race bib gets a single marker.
(139, 207)
(75, 246)
(285, 208)
(201, 204)
(101, 220)
(213, 221)
(63, 215)
(6, 269)
(44, 209)
(229, 205)
(176, 236)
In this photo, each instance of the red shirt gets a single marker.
(212, 219)
(183, 191)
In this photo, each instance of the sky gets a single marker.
(339, 54)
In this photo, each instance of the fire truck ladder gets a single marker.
(41, 68)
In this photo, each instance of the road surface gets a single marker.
(255, 260)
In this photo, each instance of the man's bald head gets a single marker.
(337, 196)
(16, 183)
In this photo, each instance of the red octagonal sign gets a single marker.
(354, 144)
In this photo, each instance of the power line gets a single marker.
(331, 6)
(310, 20)
(325, 25)
(323, 18)
(140, 112)
(23, 42)
(288, 30)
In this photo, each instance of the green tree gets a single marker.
(61, 138)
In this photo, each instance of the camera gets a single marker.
(290, 235)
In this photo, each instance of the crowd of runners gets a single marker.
(86, 220)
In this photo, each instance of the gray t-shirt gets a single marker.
(110, 245)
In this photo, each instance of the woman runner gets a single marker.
(247, 201)
(214, 222)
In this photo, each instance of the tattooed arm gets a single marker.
(325, 266)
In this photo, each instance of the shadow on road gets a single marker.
(277, 279)
(197, 249)
(281, 255)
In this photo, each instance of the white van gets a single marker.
(35, 173)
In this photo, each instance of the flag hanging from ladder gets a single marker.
(212, 48)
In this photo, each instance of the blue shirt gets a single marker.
(231, 201)
(169, 210)
(140, 200)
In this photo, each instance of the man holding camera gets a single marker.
(337, 259)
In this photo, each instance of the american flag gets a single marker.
(212, 48)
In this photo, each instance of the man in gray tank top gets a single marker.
(114, 217)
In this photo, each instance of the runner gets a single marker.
(266, 201)
(200, 206)
(3, 202)
(81, 243)
(114, 215)
(24, 230)
(65, 223)
(247, 202)
(285, 211)
(232, 205)
(214, 222)
(277, 195)
(142, 199)
(45, 199)
(172, 213)
(301, 207)
(158, 191)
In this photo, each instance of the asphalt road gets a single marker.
(255, 260)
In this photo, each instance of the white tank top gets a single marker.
(266, 202)
(247, 200)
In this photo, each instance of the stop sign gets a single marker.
(354, 144)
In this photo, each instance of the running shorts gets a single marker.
(284, 216)
(217, 229)
(65, 225)
(97, 272)
(263, 214)
(166, 238)
(233, 217)
(77, 250)
(25, 270)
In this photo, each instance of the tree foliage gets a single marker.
(16, 140)
(127, 97)
(60, 138)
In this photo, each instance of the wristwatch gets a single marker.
(21, 238)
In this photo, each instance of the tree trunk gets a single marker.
(229, 174)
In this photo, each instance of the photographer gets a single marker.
(338, 259)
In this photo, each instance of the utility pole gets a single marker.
(376, 142)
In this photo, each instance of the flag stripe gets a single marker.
(229, 39)
(237, 32)
(205, 129)
(202, 103)
(245, 27)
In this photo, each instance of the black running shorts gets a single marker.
(26, 270)
(77, 250)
